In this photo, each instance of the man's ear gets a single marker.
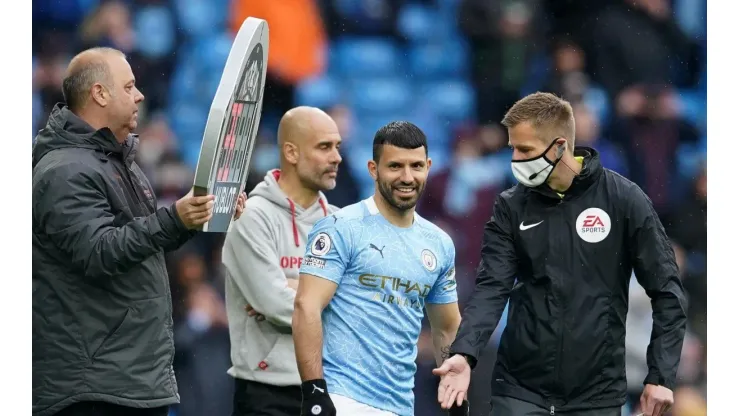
(290, 150)
(562, 147)
(372, 167)
(100, 94)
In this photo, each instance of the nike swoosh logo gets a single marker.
(527, 227)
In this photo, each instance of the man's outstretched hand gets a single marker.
(656, 400)
(455, 380)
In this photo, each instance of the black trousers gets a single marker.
(509, 406)
(109, 409)
(257, 399)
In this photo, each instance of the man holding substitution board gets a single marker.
(102, 307)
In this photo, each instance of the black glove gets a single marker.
(316, 400)
(462, 410)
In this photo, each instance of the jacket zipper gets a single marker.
(134, 188)
(558, 352)
(170, 333)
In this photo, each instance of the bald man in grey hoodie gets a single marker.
(262, 256)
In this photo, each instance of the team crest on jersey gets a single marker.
(429, 260)
(321, 244)
(593, 225)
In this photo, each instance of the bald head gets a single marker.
(302, 123)
(85, 70)
(309, 147)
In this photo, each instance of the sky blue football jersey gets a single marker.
(385, 276)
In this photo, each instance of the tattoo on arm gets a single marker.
(446, 352)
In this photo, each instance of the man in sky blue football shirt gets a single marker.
(369, 272)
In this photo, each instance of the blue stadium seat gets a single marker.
(348, 9)
(359, 154)
(357, 158)
(419, 23)
(440, 156)
(452, 100)
(598, 101)
(368, 124)
(211, 52)
(188, 121)
(364, 15)
(362, 135)
(322, 92)
(155, 31)
(439, 60)
(69, 12)
(689, 159)
(185, 81)
(436, 128)
(693, 106)
(37, 111)
(365, 127)
(376, 120)
(448, 7)
(691, 16)
(201, 17)
(210, 86)
(538, 70)
(433, 127)
(361, 57)
(380, 95)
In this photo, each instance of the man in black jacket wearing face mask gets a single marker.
(561, 247)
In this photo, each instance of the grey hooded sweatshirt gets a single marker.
(263, 249)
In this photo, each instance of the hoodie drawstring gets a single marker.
(295, 227)
(292, 217)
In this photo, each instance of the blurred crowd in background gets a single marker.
(634, 70)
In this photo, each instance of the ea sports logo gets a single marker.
(593, 225)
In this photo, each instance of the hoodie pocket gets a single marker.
(280, 357)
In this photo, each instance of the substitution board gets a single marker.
(233, 121)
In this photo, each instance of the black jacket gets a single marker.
(563, 346)
(102, 311)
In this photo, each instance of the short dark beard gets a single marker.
(386, 191)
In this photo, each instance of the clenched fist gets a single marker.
(194, 211)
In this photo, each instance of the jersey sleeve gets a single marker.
(328, 250)
(445, 288)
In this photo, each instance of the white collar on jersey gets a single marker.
(373, 208)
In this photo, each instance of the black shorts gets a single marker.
(109, 409)
(509, 406)
(257, 399)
